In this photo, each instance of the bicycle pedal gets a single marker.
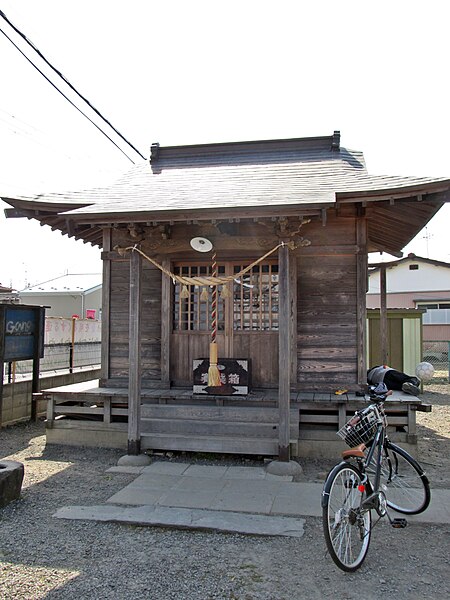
(399, 523)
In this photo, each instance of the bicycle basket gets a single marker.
(361, 428)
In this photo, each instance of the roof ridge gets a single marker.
(158, 152)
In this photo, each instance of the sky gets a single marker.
(178, 72)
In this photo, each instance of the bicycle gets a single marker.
(374, 475)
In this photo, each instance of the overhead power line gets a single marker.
(22, 35)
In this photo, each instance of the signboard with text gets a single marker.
(235, 377)
(22, 332)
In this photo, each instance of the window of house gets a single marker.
(438, 313)
(254, 297)
(413, 267)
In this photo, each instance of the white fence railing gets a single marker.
(68, 344)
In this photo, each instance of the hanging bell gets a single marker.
(204, 295)
(184, 292)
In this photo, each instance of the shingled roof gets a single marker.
(241, 179)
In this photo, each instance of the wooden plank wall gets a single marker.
(326, 342)
(151, 322)
(327, 307)
(119, 323)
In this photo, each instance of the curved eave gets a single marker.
(394, 193)
(53, 215)
(392, 226)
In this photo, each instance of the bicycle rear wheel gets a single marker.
(405, 484)
(347, 527)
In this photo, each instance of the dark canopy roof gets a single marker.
(243, 180)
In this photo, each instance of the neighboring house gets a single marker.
(73, 294)
(416, 282)
(8, 295)
(305, 213)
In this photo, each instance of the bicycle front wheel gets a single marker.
(405, 484)
(347, 526)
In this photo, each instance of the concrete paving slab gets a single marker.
(245, 473)
(205, 471)
(188, 498)
(166, 468)
(257, 502)
(270, 476)
(157, 481)
(239, 499)
(255, 486)
(187, 518)
(298, 498)
(197, 484)
(137, 496)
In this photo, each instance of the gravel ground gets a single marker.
(42, 557)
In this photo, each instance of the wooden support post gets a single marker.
(412, 429)
(35, 382)
(50, 411)
(293, 314)
(361, 278)
(106, 299)
(284, 357)
(384, 340)
(2, 367)
(35, 388)
(342, 415)
(72, 347)
(166, 312)
(2, 353)
(107, 407)
(134, 368)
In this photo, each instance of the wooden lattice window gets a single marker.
(255, 298)
(193, 313)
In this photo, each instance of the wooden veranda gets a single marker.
(179, 420)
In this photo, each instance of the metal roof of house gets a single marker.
(411, 257)
(244, 179)
(75, 283)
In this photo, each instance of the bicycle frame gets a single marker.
(377, 443)
(373, 498)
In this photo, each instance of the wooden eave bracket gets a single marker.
(382, 248)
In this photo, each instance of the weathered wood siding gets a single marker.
(119, 324)
(326, 337)
(119, 319)
(184, 348)
(327, 307)
(262, 348)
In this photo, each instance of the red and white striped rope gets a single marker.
(214, 302)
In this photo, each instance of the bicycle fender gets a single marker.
(327, 484)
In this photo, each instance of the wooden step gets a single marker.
(216, 413)
(214, 427)
(200, 428)
(219, 444)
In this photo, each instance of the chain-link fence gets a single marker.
(437, 353)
